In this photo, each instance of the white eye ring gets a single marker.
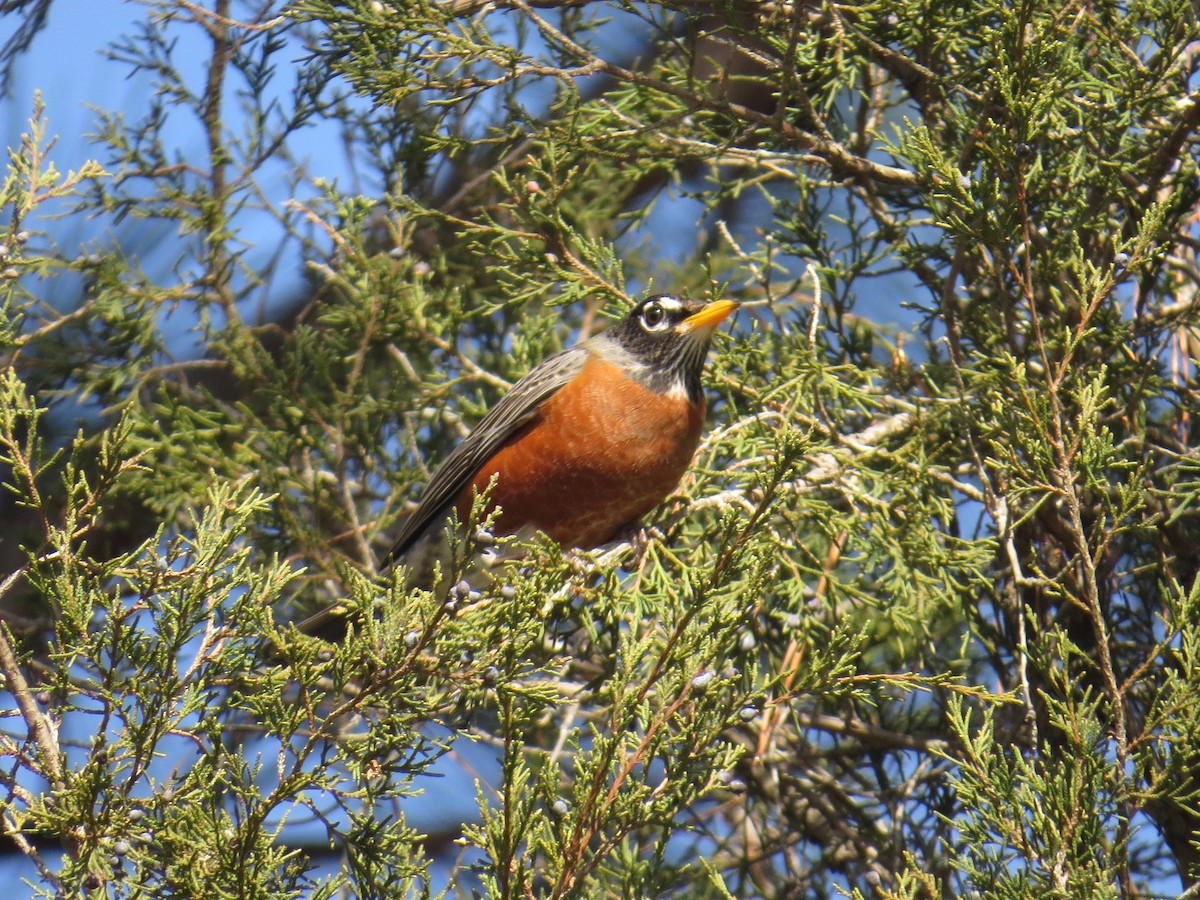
(654, 317)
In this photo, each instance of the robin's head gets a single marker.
(663, 341)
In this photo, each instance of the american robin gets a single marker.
(585, 444)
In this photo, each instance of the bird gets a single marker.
(586, 444)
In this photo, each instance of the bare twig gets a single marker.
(831, 153)
(40, 726)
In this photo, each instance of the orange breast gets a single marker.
(602, 453)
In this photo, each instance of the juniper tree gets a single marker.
(922, 620)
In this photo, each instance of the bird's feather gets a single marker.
(516, 408)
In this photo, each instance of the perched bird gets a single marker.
(587, 443)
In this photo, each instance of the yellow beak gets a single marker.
(708, 318)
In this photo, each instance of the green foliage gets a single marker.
(922, 620)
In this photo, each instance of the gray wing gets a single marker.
(515, 408)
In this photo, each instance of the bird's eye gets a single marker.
(654, 317)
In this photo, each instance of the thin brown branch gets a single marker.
(41, 729)
(829, 152)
